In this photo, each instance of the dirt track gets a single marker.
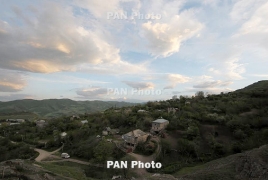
(145, 159)
(44, 154)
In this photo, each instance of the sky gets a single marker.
(130, 50)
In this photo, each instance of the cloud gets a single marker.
(212, 84)
(229, 68)
(118, 68)
(254, 30)
(174, 79)
(176, 92)
(92, 93)
(234, 69)
(11, 81)
(243, 10)
(257, 23)
(165, 39)
(139, 85)
(54, 39)
(260, 75)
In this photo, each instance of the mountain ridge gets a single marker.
(49, 108)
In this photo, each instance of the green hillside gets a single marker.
(252, 164)
(55, 107)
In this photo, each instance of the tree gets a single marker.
(103, 151)
(200, 94)
(128, 159)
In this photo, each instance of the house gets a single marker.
(63, 135)
(40, 123)
(159, 125)
(11, 124)
(105, 133)
(187, 102)
(132, 138)
(84, 122)
(15, 120)
(142, 111)
(20, 120)
(111, 131)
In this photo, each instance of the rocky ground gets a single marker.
(25, 170)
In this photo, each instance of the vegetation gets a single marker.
(13, 150)
(202, 128)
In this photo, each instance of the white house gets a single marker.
(159, 125)
(84, 122)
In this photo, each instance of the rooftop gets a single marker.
(136, 133)
(160, 121)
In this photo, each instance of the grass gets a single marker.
(220, 169)
(188, 170)
(82, 172)
(67, 169)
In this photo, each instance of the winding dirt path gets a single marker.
(145, 159)
(45, 154)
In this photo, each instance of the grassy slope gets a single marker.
(251, 164)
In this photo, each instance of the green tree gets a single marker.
(103, 151)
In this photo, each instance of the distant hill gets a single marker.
(56, 107)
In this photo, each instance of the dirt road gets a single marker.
(44, 154)
(146, 159)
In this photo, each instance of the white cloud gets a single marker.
(139, 85)
(56, 40)
(254, 29)
(212, 84)
(164, 39)
(118, 68)
(261, 75)
(174, 79)
(230, 68)
(11, 81)
(257, 23)
(234, 70)
(243, 10)
(92, 92)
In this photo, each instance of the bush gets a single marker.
(239, 134)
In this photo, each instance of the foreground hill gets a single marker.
(251, 164)
(248, 165)
(56, 107)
